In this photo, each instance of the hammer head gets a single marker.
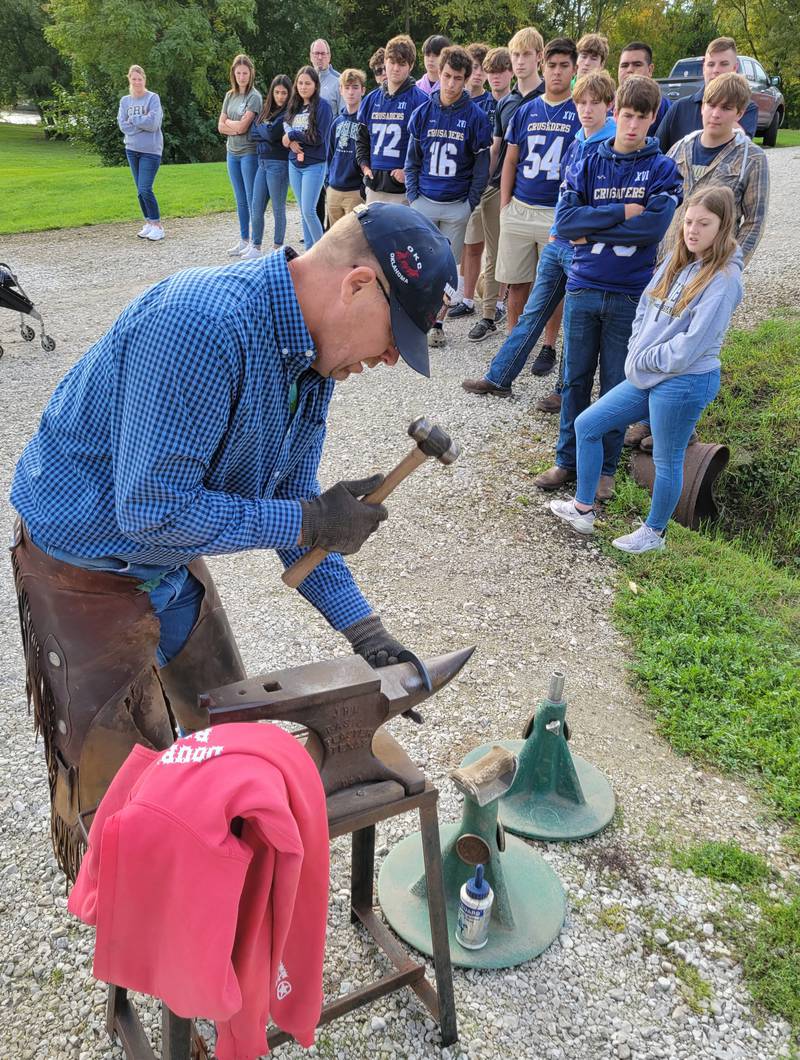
(433, 441)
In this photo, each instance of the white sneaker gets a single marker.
(251, 252)
(156, 232)
(239, 249)
(583, 522)
(144, 232)
(643, 539)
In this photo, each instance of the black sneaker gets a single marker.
(461, 309)
(545, 362)
(478, 332)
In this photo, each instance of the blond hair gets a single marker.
(721, 44)
(598, 84)
(728, 88)
(527, 39)
(595, 44)
(718, 198)
(351, 76)
(136, 70)
(242, 60)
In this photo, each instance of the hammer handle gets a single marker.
(302, 567)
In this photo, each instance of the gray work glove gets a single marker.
(338, 521)
(371, 641)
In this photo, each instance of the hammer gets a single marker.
(431, 441)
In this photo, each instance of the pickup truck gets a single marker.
(687, 76)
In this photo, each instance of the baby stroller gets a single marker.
(14, 298)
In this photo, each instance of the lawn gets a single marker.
(48, 184)
(788, 138)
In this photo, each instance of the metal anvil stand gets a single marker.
(367, 776)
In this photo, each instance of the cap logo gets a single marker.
(406, 264)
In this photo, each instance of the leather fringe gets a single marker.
(68, 845)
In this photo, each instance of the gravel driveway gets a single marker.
(463, 560)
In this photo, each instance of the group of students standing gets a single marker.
(556, 195)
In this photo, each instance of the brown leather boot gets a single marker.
(635, 434)
(484, 387)
(605, 489)
(550, 403)
(554, 478)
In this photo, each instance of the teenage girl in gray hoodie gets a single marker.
(672, 370)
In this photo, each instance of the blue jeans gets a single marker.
(144, 168)
(270, 185)
(175, 595)
(597, 326)
(547, 292)
(306, 185)
(242, 172)
(672, 408)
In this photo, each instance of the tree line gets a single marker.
(70, 57)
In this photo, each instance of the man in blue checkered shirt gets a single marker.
(194, 427)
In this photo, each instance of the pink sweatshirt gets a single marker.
(230, 929)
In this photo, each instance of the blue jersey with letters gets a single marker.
(618, 253)
(542, 131)
(448, 151)
(386, 119)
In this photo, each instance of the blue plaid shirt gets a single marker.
(173, 436)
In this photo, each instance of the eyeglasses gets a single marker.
(379, 71)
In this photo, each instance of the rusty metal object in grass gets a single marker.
(702, 466)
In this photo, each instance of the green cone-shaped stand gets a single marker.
(529, 904)
(555, 795)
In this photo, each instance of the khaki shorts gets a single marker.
(339, 203)
(385, 196)
(524, 232)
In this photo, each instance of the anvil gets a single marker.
(343, 703)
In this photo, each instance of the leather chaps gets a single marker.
(93, 681)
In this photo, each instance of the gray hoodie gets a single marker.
(663, 346)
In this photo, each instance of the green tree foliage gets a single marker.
(28, 64)
(186, 49)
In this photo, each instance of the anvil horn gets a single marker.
(402, 684)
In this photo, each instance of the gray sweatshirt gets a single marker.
(663, 346)
(140, 121)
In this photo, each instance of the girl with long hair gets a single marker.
(306, 126)
(139, 118)
(240, 106)
(672, 371)
(272, 175)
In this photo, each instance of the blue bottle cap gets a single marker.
(477, 887)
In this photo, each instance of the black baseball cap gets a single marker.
(419, 266)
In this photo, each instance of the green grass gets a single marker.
(724, 862)
(788, 138)
(715, 633)
(757, 415)
(769, 948)
(49, 184)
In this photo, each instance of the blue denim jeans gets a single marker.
(175, 595)
(672, 408)
(271, 185)
(597, 326)
(242, 173)
(144, 168)
(547, 292)
(307, 184)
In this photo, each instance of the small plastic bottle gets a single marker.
(474, 912)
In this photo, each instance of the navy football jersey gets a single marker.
(542, 131)
(386, 118)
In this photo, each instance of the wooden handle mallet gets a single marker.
(431, 442)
